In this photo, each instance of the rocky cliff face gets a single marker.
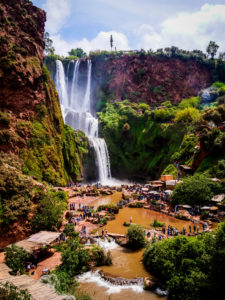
(21, 55)
(151, 79)
(31, 122)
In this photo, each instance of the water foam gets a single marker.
(77, 113)
(107, 244)
(95, 277)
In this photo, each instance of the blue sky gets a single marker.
(134, 24)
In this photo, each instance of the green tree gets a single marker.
(136, 236)
(195, 190)
(78, 52)
(218, 263)
(50, 211)
(70, 230)
(212, 49)
(49, 49)
(111, 41)
(8, 291)
(182, 264)
(187, 115)
(75, 258)
(15, 259)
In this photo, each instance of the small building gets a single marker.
(171, 184)
(165, 178)
(218, 198)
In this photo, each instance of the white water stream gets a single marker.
(76, 110)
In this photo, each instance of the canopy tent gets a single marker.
(37, 240)
(186, 206)
(169, 192)
(213, 208)
(205, 208)
(154, 193)
(218, 198)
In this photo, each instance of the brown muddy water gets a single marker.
(140, 216)
(126, 263)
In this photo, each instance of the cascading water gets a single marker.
(76, 111)
(60, 82)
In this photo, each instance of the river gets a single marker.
(126, 263)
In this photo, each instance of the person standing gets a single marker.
(130, 219)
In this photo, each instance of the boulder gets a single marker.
(149, 284)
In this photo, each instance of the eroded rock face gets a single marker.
(32, 124)
(150, 79)
(21, 55)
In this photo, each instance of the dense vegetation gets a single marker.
(197, 190)
(164, 135)
(43, 157)
(136, 237)
(127, 124)
(21, 197)
(190, 267)
(15, 258)
(76, 259)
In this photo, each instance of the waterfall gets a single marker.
(74, 88)
(87, 97)
(77, 113)
(60, 82)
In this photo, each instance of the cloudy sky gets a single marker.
(134, 24)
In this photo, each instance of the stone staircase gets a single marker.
(37, 289)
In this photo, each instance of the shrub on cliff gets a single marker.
(15, 259)
(15, 189)
(187, 115)
(170, 170)
(212, 140)
(163, 115)
(186, 149)
(190, 102)
(136, 236)
(218, 170)
(49, 213)
(75, 146)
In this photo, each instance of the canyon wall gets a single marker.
(31, 121)
(150, 79)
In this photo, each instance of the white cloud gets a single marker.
(57, 13)
(130, 6)
(186, 30)
(101, 41)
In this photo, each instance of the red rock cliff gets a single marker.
(21, 55)
(31, 123)
(151, 79)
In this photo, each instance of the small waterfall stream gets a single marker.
(76, 110)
